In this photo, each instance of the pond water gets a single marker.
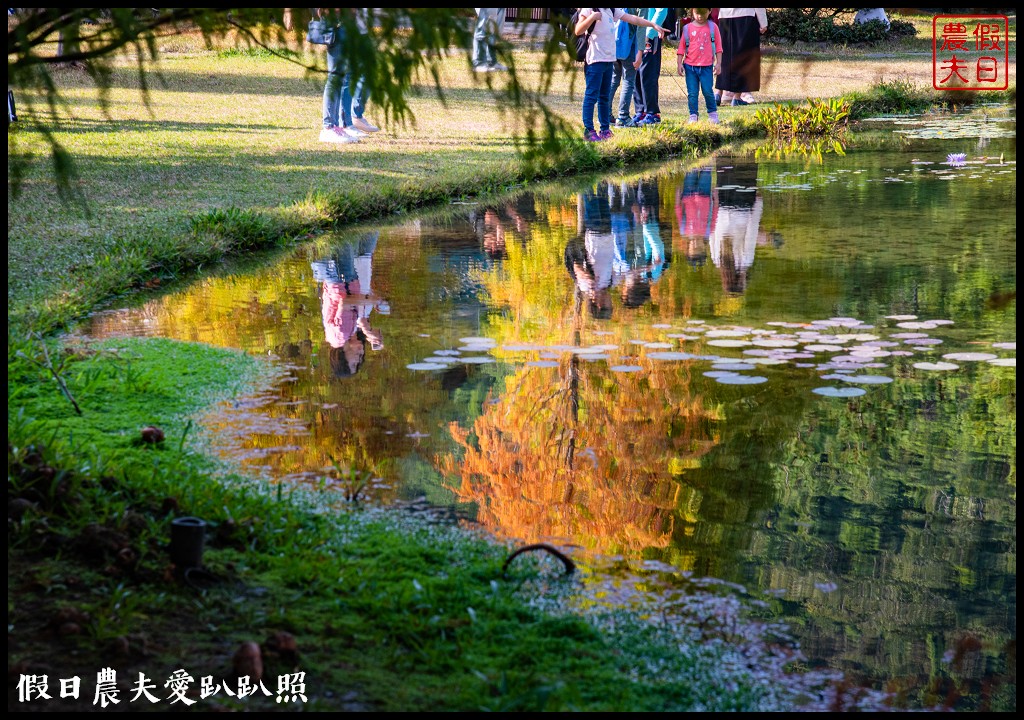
(795, 375)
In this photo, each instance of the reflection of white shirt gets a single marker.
(736, 228)
(601, 251)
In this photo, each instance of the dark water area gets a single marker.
(792, 374)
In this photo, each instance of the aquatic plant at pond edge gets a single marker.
(818, 118)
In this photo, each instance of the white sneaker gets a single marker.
(354, 132)
(335, 135)
(364, 125)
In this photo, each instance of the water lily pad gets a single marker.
(729, 343)
(543, 363)
(925, 341)
(659, 345)
(901, 317)
(661, 325)
(824, 348)
(1004, 362)
(476, 360)
(936, 366)
(970, 356)
(908, 336)
(733, 366)
(425, 366)
(774, 342)
(719, 373)
(868, 379)
(1005, 345)
(839, 392)
(626, 368)
(725, 333)
(478, 341)
(447, 352)
(741, 379)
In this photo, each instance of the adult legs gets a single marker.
(332, 87)
(489, 23)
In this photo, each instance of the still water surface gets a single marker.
(793, 375)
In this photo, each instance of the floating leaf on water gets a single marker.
(1004, 362)
(447, 352)
(868, 379)
(476, 348)
(477, 341)
(626, 368)
(543, 363)
(970, 356)
(637, 342)
(719, 373)
(901, 353)
(936, 366)
(826, 587)
(669, 355)
(941, 322)
(901, 317)
(741, 379)
(925, 341)
(824, 348)
(591, 357)
(909, 336)
(695, 322)
(477, 360)
(680, 336)
(661, 325)
(444, 360)
(729, 343)
(766, 360)
(833, 376)
(775, 342)
(659, 345)
(425, 366)
(839, 392)
(881, 343)
(1005, 345)
(602, 348)
(913, 325)
(733, 366)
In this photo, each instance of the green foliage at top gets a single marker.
(819, 25)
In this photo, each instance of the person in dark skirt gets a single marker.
(742, 29)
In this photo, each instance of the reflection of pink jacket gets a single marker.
(694, 215)
(340, 317)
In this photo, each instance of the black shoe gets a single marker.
(737, 101)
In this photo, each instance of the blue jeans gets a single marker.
(335, 79)
(489, 22)
(352, 103)
(704, 77)
(623, 72)
(599, 93)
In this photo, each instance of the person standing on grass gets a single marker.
(742, 29)
(353, 100)
(648, 111)
(627, 60)
(699, 58)
(333, 131)
(489, 24)
(599, 23)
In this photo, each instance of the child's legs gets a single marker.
(692, 85)
(707, 86)
(604, 96)
(332, 87)
(628, 85)
(590, 94)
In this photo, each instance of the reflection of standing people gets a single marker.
(737, 225)
(695, 213)
(649, 256)
(742, 29)
(489, 24)
(347, 301)
(590, 261)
